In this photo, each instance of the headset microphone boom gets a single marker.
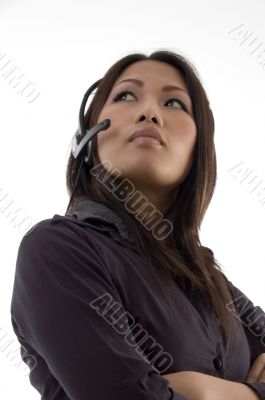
(81, 142)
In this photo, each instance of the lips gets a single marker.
(149, 132)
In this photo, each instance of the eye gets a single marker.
(180, 102)
(125, 92)
(121, 94)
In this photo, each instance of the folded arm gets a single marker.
(198, 386)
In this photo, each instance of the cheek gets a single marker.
(104, 143)
(113, 117)
(109, 111)
(105, 137)
(108, 143)
(111, 138)
(191, 138)
(185, 137)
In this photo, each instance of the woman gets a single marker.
(118, 298)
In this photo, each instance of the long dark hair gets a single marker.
(181, 260)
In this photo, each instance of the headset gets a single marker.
(81, 142)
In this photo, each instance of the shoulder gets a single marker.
(58, 228)
(58, 239)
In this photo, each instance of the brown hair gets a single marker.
(182, 259)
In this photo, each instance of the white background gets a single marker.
(64, 46)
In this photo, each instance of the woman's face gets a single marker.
(150, 166)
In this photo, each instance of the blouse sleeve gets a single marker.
(253, 320)
(62, 291)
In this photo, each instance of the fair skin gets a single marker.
(155, 170)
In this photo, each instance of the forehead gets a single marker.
(153, 71)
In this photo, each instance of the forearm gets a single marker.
(218, 389)
(195, 385)
(245, 392)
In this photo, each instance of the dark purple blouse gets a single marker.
(94, 324)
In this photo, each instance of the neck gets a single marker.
(153, 206)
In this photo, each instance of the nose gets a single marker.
(150, 113)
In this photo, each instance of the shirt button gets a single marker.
(218, 363)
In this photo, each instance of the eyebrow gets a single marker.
(164, 89)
